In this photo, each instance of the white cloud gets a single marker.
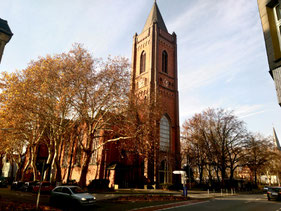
(244, 111)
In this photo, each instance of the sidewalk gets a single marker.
(193, 194)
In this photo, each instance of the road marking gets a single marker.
(168, 206)
(187, 205)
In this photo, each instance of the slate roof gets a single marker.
(155, 17)
(4, 27)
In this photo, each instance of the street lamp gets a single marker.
(5, 35)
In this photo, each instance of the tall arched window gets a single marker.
(164, 134)
(142, 62)
(164, 62)
(164, 172)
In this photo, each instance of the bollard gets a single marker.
(208, 192)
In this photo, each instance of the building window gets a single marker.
(142, 62)
(164, 134)
(277, 16)
(164, 173)
(164, 62)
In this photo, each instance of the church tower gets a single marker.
(154, 72)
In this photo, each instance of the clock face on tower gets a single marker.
(141, 83)
(165, 82)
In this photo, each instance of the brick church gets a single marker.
(154, 72)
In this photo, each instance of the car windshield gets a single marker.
(275, 189)
(77, 190)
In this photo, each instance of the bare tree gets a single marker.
(258, 153)
(216, 138)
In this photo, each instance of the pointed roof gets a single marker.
(276, 140)
(155, 17)
(4, 27)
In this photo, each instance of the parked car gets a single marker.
(28, 186)
(73, 196)
(45, 187)
(265, 189)
(3, 182)
(16, 185)
(274, 193)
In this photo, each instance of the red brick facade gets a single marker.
(155, 42)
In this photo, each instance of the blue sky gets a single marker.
(221, 53)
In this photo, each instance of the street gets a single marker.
(200, 201)
(256, 202)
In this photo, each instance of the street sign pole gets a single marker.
(183, 180)
(38, 195)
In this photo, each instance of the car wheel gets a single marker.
(51, 202)
(75, 205)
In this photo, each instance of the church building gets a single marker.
(154, 72)
(154, 78)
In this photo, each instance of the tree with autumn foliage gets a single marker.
(101, 97)
(45, 101)
(20, 113)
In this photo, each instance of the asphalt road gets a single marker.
(234, 203)
(257, 202)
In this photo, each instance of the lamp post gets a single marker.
(5, 35)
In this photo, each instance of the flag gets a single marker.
(276, 140)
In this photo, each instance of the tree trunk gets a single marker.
(223, 170)
(49, 162)
(217, 173)
(70, 161)
(27, 165)
(20, 164)
(58, 175)
(200, 168)
(33, 162)
(54, 165)
(1, 163)
(255, 177)
(84, 171)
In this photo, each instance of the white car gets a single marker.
(71, 196)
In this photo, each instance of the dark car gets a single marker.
(17, 185)
(72, 196)
(3, 182)
(274, 193)
(45, 187)
(265, 189)
(28, 186)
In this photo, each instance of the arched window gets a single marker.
(142, 62)
(163, 172)
(164, 62)
(164, 134)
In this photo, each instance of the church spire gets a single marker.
(155, 17)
